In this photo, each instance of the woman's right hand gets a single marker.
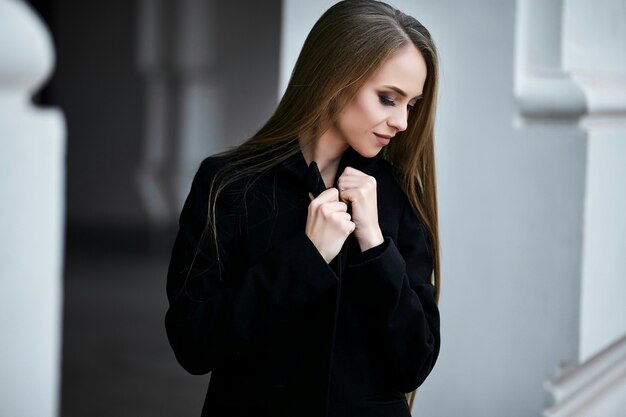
(328, 223)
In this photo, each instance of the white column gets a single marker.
(586, 45)
(32, 186)
(597, 61)
(545, 91)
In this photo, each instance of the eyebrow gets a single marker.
(401, 92)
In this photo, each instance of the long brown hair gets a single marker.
(345, 47)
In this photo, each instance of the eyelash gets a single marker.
(386, 100)
(389, 102)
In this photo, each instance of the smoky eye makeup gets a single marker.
(386, 100)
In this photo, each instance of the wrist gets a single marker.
(371, 240)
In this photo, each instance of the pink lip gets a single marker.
(383, 136)
(383, 139)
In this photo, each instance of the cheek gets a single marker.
(364, 113)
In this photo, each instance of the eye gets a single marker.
(411, 107)
(386, 100)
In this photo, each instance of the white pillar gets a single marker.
(594, 53)
(32, 170)
(597, 61)
(584, 48)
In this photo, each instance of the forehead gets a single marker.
(406, 69)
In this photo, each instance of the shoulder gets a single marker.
(222, 169)
(213, 175)
(212, 164)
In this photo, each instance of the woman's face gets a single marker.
(381, 106)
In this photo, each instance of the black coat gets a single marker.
(286, 334)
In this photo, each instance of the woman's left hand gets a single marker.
(359, 189)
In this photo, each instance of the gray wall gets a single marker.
(102, 88)
(511, 205)
(97, 87)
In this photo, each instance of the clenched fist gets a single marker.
(359, 189)
(328, 223)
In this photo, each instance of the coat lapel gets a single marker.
(350, 158)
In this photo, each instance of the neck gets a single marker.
(326, 151)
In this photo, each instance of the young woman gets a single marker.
(305, 272)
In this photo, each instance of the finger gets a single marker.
(333, 208)
(348, 184)
(311, 196)
(343, 216)
(336, 206)
(345, 185)
(330, 194)
(361, 179)
(353, 171)
(351, 177)
(353, 196)
(365, 183)
(346, 196)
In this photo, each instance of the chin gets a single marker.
(367, 150)
(369, 153)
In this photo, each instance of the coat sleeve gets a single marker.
(212, 322)
(394, 280)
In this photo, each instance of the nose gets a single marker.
(399, 119)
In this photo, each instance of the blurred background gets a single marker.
(107, 109)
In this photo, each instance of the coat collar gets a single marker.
(297, 165)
